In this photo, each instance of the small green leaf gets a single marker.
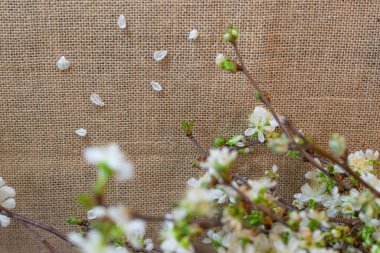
(72, 220)
(187, 127)
(294, 154)
(257, 95)
(219, 142)
(86, 201)
(255, 218)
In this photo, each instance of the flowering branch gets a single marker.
(241, 215)
(266, 101)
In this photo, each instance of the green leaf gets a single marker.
(72, 220)
(187, 127)
(255, 218)
(257, 95)
(86, 201)
(219, 142)
(294, 154)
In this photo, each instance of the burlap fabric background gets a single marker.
(319, 60)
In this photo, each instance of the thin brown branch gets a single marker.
(40, 238)
(263, 96)
(198, 145)
(24, 220)
(287, 204)
(253, 205)
(339, 182)
(281, 123)
(280, 200)
(344, 221)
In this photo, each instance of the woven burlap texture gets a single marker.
(319, 61)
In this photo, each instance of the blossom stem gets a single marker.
(344, 221)
(40, 238)
(347, 168)
(287, 204)
(278, 199)
(339, 183)
(262, 96)
(263, 209)
(196, 143)
(281, 123)
(24, 220)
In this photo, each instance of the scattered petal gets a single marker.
(156, 86)
(81, 132)
(96, 99)
(121, 22)
(193, 35)
(63, 63)
(160, 55)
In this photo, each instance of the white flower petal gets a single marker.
(119, 250)
(96, 99)
(149, 246)
(219, 59)
(148, 240)
(2, 182)
(249, 131)
(75, 238)
(156, 86)
(306, 189)
(159, 55)
(121, 22)
(193, 35)
(4, 221)
(261, 137)
(9, 203)
(6, 192)
(63, 63)
(81, 132)
(193, 182)
(96, 212)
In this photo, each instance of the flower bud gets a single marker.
(219, 59)
(279, 144)
(338, 144)
(231, 34)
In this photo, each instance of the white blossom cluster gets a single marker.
(7, 200)
(111, 156)
(133, 230)
(278, 239)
